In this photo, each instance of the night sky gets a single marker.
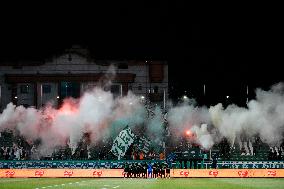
(224, 50)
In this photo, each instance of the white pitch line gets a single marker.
(106, 185)
(115, 187)
(56, 185)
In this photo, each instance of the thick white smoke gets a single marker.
(98, 113)
(203, 137)
(189, 117)
(263, 117)
(93, 113)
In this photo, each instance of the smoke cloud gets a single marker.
(263, 117)
(101, 115)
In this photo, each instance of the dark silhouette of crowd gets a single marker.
(17, 148)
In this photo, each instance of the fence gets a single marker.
(111, 164)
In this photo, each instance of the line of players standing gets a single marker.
(144, 170)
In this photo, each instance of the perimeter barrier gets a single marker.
(119, 173)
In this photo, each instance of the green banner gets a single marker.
(122, 142)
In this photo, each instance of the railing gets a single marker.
(86, 164)
(111, 164)
(233, 165)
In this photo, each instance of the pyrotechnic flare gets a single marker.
(97, 112)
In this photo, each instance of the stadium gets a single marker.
(106, 112)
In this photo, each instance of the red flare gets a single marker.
(188, 132)
(68, 107)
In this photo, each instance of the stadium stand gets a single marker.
(15, 152)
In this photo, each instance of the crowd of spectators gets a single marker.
(19, 149)
(16, 152)
(275, 153)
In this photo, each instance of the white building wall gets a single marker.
(78, 64)
(141, 79)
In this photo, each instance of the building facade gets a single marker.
(73, 72)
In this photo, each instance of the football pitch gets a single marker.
(120, 183)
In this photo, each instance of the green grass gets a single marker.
(120, 183)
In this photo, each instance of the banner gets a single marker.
(223, 173)
(144, 144)
(21, 173)
(240, 164)
(251, 164)
(118, 173)
(122, 142)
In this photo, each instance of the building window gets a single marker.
(46, 89)
(130, 87)
(139, 87)
(69, 89)
(24, 89)
(156, 89)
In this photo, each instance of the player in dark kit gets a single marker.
(139, 170)
(130, 171)
(155, 170)
(163, 171)
(168, 171)
(126, 170)
(144, 170)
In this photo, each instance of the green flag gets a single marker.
(122, 142)
(144, 144)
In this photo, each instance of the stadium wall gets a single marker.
(118, 173)
(230, 173)
(19, 173)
